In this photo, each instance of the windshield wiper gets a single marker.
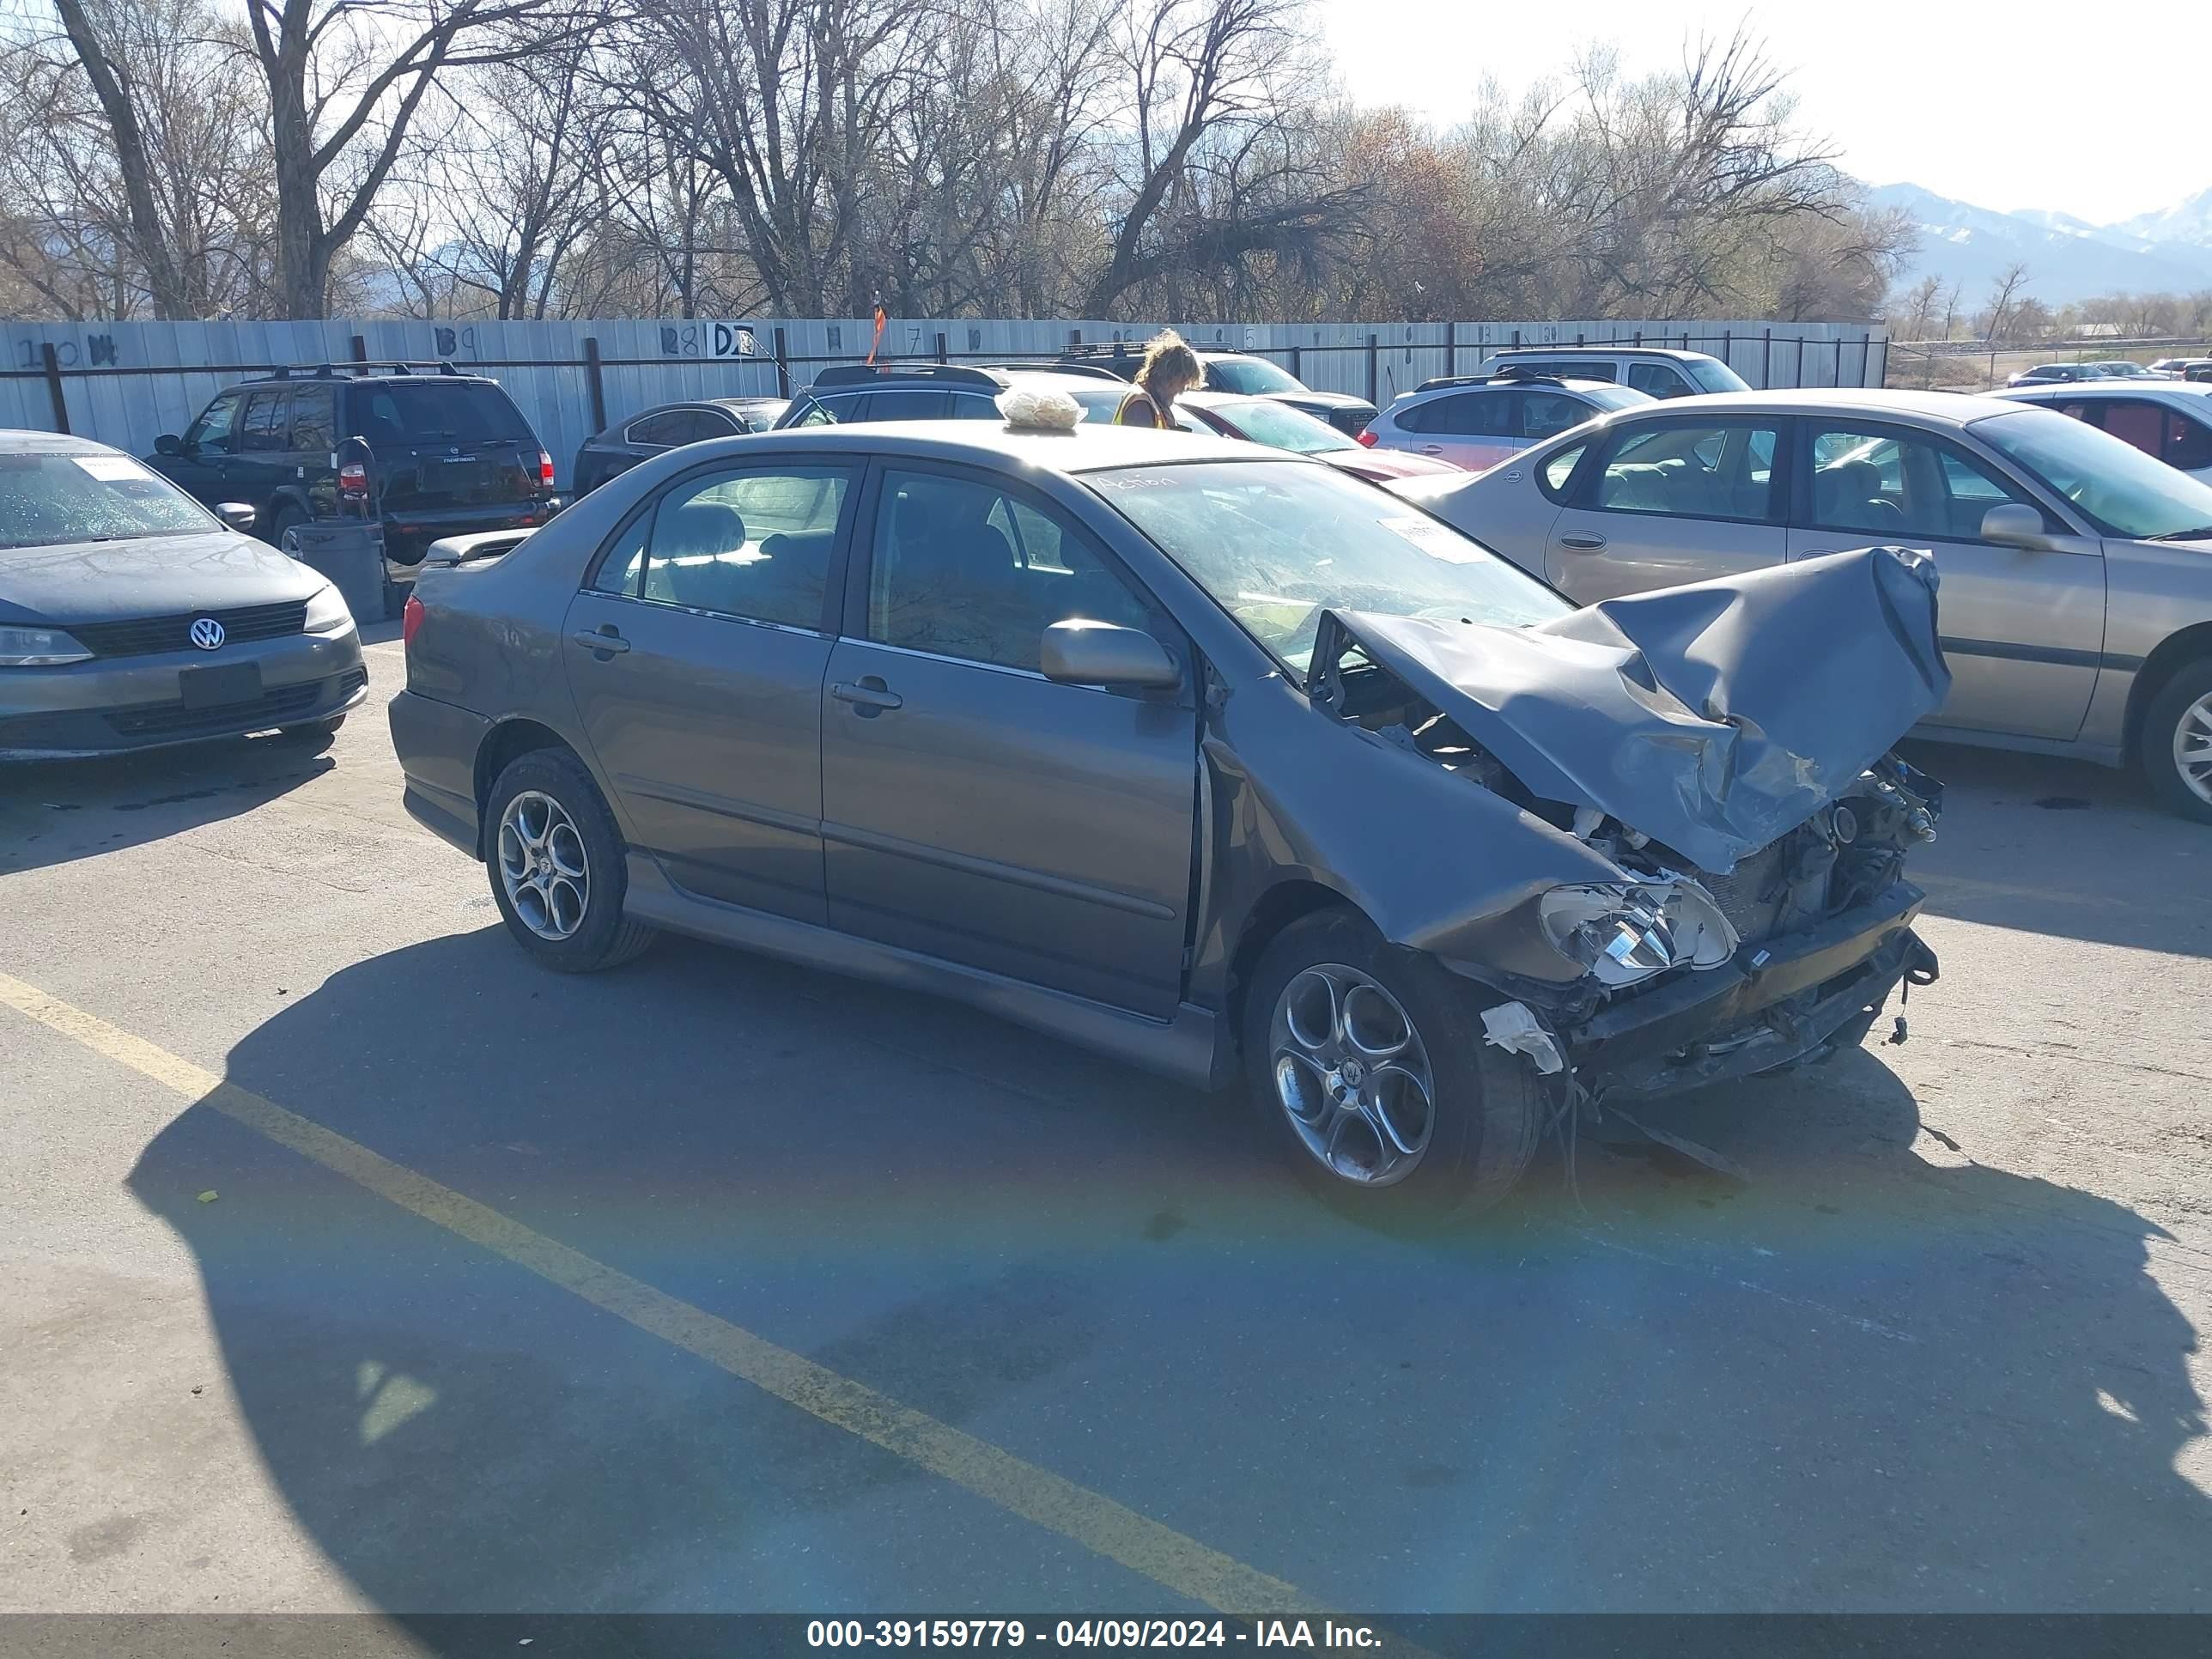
(2202, 533)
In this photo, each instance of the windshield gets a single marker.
(1715, 375)
(2121, 490)
(1248, 377)
(1275, 543)
(1280, 427)
(49, 499)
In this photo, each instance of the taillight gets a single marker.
(410, 618)
(1364, 438)
(545, 470)
(353, 482)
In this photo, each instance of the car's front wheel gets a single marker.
(1368, 1065)
(557, 866)
(2176, 743)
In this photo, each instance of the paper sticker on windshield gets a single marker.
(111, 469)
(1433, 538)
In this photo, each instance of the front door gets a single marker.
(974, 810)
(204, 453)
(1676, 499)
(696, 657)
(2022, 630)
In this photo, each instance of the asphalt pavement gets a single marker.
(353, 1263)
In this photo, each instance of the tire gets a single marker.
(2181, 713)
(1488, 1108)
(314, 737)
(572, 926)
(283, 517)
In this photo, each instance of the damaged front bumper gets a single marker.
(1788, 1000)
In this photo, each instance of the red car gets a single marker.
(1263, 420)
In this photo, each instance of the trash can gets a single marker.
(350, 552)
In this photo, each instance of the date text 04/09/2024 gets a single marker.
(1088, 1633)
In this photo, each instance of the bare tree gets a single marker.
(2004, 294)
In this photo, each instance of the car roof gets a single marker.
(22, 440)
(1950, 408)
(1088, 447)
(341, 374)
(1512, 382)
(2093, 389)
(1601, 349)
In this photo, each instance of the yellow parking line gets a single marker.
(1091, 1519)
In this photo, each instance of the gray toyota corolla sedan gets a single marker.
(131, 618)
(1205, 756)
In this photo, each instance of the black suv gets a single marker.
(448, 453)
(1239, 372)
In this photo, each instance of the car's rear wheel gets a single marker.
(1368, 1064)
(2176, 743)
(558, 867)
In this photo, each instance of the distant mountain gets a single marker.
(2067, 258)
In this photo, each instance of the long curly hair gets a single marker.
(1168, 359)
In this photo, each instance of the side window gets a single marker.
(816, 414)
(620, 571)
(709, 423)
(964, 569)
(314, 419)
(212, 433)
(2135, 422)
(266, 427)
(1545, 414)
(1576, 369)
(665, 429)
(1691, 470)
(1552, 479)
(754, 544)
(2188, 442)
(1467, 415)
(1871, 482)
(1657, 380)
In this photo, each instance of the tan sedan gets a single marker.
(2077, 599)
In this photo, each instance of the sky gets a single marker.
(2031, 105)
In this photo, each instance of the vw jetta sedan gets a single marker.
(1206, 757)
(132, 617)
(2077, 570)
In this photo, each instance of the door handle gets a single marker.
(869, 698)
(1583, 543)
(606, 641)
(1432, 449)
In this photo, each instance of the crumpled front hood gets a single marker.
(1714, 717)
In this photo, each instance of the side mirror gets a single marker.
(1078, 652)
(237, 514)
(168, 444)
(2014, 523)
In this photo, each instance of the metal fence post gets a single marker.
(1372, 382)
(1766, 362)
(1839, 360)
(1884, 377)
(1799, 381)
(593, 384)
(1296, 358)
(360, 350)
(940, 346)
(783, 365)
(53, 367)
(1728, 347)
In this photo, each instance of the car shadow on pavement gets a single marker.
(1861, 1380)
(2064, 848)
(53, 812)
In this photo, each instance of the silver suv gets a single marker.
(1477, 422)
(2077, 571)
(1653, 370)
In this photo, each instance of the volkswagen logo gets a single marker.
(207, 633)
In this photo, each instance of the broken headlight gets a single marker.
(1627, 932)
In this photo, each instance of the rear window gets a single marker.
(402, 413)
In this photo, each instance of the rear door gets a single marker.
(1669, 501)
(2022, 630)
(696, 653)
(261, 458)
(974, 810)
(1473, 430)
(314, 445)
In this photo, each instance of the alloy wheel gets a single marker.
(1352, 1075)
(2193, 747)
(542, 866)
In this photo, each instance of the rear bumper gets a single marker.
(121, 705)
(437, 744)
(1784, 1002)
